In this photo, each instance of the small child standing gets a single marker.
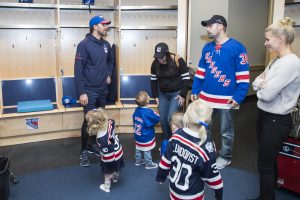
(190, 159)
(144, 120)
(108, 142)
(175, 123)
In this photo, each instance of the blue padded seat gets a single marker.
(34, 106)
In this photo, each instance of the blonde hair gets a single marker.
(177, 119)
(142, 98)
(96, 121)
(197, 115)
(283, 27)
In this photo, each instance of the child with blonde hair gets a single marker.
(190, 158)
(108, 142)
(144, 120)
(175, 123)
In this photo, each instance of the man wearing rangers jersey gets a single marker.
(144, 120)
(190, 159)
(222, 80)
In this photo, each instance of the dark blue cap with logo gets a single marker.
(215, 19)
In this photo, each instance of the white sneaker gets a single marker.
(221, 162)
(104, 188)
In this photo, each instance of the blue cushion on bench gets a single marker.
(33, 106)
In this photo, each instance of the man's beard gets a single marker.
(102, 33)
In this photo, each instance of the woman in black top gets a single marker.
(169, 84)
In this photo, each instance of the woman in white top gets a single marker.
(278, 89)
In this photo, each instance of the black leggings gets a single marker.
(272, 131)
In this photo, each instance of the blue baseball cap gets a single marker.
(98, 20)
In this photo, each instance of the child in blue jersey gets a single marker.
(144, 120)
(190, 159)
(110, 148)
(175, 123)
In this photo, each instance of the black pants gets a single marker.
(95, 100)
(272, 131)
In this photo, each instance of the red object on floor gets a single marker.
(289, 165)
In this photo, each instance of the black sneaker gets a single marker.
(13, 179)
(84, 161)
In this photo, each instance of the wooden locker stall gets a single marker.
(39, 41)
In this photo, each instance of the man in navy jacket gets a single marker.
(93, 69)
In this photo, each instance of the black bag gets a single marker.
(192, 73)
(4, 177)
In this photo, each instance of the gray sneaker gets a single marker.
(139, 162)
(222, 162)
(151, 166)
(84, 161)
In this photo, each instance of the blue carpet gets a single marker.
(78, 183)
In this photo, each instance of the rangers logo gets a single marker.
(32, 123)
(105, 49)
(210, 147)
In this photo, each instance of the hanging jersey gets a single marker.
(223, 73)
(144, 120)
(111, 149)
(189, 166)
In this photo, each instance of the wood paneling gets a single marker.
(16, 126)
(27, 53)
(138, 49)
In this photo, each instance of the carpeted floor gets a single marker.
(135, 183)
(50, 169)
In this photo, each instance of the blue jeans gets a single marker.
(147, 156)
(167, 106)
(227, 131)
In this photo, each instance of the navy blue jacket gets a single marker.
(93, 64)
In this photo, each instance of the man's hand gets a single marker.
(157, 101)
(180, 100)
(194, 97)
(233, 103)
(83, 99)
(108, 80)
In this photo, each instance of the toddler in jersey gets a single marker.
(175, 123)
(144, 120)
(190, 158)
(108, 142)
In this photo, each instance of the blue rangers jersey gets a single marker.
(144, 120)
(223, 73)
(111, 149)
(189, 166)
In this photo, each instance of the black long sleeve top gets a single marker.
(170, 77)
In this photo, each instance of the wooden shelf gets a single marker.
(86, 7)
(27, 5)
(143, 8)
(28, 26)
(80, 26)
(148, 27)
